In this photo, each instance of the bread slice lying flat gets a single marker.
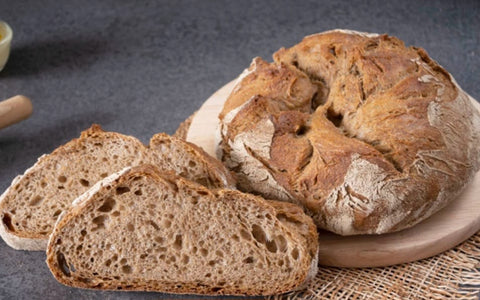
(30, 207)
(143, 229)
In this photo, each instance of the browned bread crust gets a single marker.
(367, 134)
(182, 130)
(145, 229)
(33, 202)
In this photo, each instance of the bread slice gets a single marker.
(143, 229)
(32, 204)
(189, 161)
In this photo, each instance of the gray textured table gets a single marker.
(141, 68)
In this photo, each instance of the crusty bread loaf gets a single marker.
(144, 229)
(369, 135)
(32, 204)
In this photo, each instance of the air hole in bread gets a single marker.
(281, 243)
(185, 259)
(84, 182)
(178, 242)
(192, 164)
(204, 193)
(7, 221)
(245, 235)
(295, 253)
(116, 213)
(208, 275)
(236, 238)
(43, 184)
(211, 263)
(204, 252)
(219, 253)
(83, 232)
(249, 260)
(203, 181)
(36, 200)
(334, 117)
(123, 261)
(63, 264)
(301, 130)
(122, 190)
(258, 234)
(159, 239)
(99, 221)
(154, 225)
(57, 213)
(194, 200)
(166, 223)
(271, 246)
(62, 179)
(130, 227)
(332, 50)
(107, 205)
(138, 192)
(103, 175)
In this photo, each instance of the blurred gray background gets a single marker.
(142, 67)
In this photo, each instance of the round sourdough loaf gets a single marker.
(368, 135)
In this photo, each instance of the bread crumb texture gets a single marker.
(154, 231)
(32, 204)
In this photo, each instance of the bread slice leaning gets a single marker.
(33, 202)
(144, 229)
(189, 161)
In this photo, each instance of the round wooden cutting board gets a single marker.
(444, 230)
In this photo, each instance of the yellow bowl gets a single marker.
(5, 42)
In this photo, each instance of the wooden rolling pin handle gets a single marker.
(14, 110)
